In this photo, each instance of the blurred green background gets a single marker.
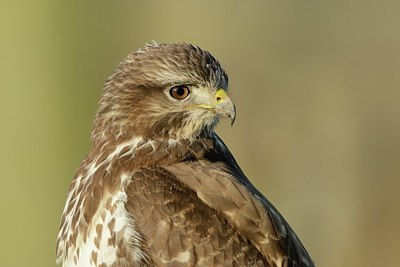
(316, 85)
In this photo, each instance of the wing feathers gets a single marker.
(222, 192)
(218, 181)
(295, 252)
(180, 229)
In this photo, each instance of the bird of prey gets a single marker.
(158, 186)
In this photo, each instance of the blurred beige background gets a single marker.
(316, 84)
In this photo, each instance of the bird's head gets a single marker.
(164, 91)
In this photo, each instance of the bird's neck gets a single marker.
(152, 150)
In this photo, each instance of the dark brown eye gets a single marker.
(179, 92)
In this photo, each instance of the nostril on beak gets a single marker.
(220, 96)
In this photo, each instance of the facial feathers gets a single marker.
(135, 97)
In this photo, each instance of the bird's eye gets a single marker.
(179, 92)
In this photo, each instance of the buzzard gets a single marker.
(158, 186)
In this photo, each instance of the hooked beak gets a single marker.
(224, 105)
(221, 105)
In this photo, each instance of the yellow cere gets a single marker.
(220, 95)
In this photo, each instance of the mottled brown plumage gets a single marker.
(158, 187)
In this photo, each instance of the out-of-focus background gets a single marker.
(316, 85)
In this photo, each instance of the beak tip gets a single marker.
(233, 120)
(233, 115)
